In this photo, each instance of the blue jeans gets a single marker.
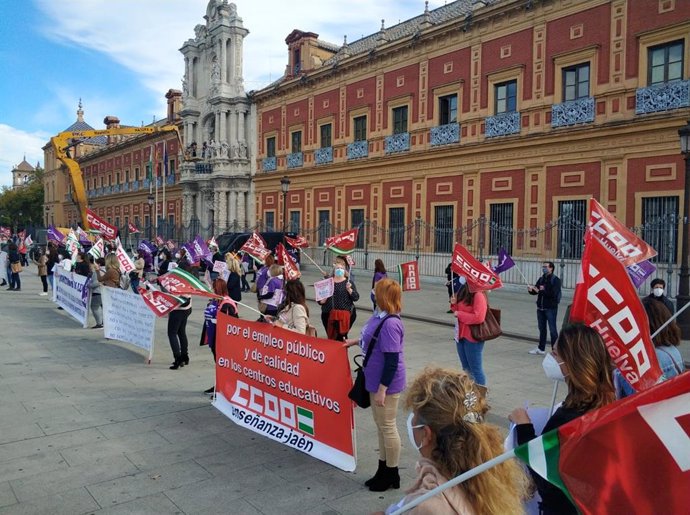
(471, 358)
(544, 316)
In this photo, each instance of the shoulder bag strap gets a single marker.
(675, 365)
(374, 338)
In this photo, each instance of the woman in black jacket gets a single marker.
(14, 259)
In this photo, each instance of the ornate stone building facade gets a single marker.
(22, 174)
(218, 130)
(513, 112)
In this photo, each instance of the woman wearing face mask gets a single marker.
(446, 425)
(658, 289)
(138, 272)
(579, 356)
(337, 309)
(272, 292)
(384, 374)
(470, 308)
(163, 263)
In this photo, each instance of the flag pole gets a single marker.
(155, 178)
(314, 262)
(675, 315)
(165, 179)
(457, 480)
(523, 275)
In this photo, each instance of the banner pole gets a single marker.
(314, 262)
(457, 480)
(675, 315)
(523, 275)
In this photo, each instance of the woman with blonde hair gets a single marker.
(446, 425)
(111, 277)
(384, 378)
(581, 359)
(234, 277)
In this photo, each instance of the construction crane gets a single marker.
(63, 141)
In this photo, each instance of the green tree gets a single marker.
(23, 206)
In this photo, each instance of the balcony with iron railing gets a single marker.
(115, 188)
(397, 143)
(572, 112)
(445, 134)
(269, 164)
(663, 97)
(125, 187)
(357, 149)
(323, 155)
(503, 124)
(203, 167)
(170, 179)
(295, 160)
(135, 186)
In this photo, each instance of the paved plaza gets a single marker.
(87, 427)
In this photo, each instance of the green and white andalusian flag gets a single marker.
(305, 420)
(181, 282)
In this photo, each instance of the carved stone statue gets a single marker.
(185, 90)
(243, 150)
(235, 151)
(224, 149)
(215, 71)
(199, 32)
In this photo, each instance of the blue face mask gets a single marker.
(544, 270)
(339, 272)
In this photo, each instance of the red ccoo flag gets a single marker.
(132, 228)
(343, 243)
(479, 277)
(299, 243)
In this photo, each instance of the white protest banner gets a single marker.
(3, 266)
(127, 318)
(72, 294)
(324, 289)
(220, 266)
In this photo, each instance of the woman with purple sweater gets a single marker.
(384, 376)
(379, 273)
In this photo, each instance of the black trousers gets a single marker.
(177, 332)
(44, 280)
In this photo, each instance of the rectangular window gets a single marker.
(326, 135)
(447, 109)
(126, 176)
(271, 146)
(136, 174)
(360, 123)
(506, 97)
(357, 221)
(295, 222)
(171, 167)
(396, 228)
(500, 227)
(269, 219)
(572, 220)
(665, 62)
(117, 221)
(660, 227)
(576, 82)
(443, 229)
(324, 226)
(400, 120)
(296, 142)
(117, 178)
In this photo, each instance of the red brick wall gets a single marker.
(410, 87)
(461, 71)
(661, 174)
(521, 54)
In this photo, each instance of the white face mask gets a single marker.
(177, 256)
(552, 368)
(410, 431)
(658, 292)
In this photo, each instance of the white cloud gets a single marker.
(14, 145)
(145, 36)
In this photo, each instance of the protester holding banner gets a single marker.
(211, 319)
(138, 274)
(384, 377)
(581, 358)
(111, 277)
(262, 275)
(41, 261)
(379, 273)
(52, 255)
(470, 308)
(665, 345)
(272, 292)
(95, 287)
(234, 278)
(337, 310)
(14, 260)
(658, 286)
(163, 262)
(177, 333)
(244, 265)
(82, 266)
(548, 291)
(446, 425)
(294, 316)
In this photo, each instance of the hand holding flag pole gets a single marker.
(675, 315)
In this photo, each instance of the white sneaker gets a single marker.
(537, 350)
(43, 294)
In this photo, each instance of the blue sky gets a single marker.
(121, 56)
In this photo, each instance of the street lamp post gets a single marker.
(684, 281)
(150, 201)
(285, 187)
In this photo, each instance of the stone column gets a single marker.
(240, 126)
(216, 209)
(231, 77)
(241, 209)
(223, 125)
(233, 206)
(233, 126)
(223, 209)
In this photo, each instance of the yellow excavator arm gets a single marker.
(63, 141)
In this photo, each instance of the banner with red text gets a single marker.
(409, 276)
(616, 237)
(607, 301)
(256, 248)
(95, 222)
(479, 276)
(343, 243)
(286, 386)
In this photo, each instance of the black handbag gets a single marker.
(358, 393)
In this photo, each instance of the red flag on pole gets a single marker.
(256, 248)
(606, 300)
(409, 276)
(616, 237)
(290, 269)
(159, 302)
(343, 243)
(479, 276)
(95, 222)
(632, 456)
(299, 243)
(133, 228)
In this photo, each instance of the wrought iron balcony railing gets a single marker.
(502, 124)
(397, 143)
(323, 156)
(663, 97)
(573, 112)
(445, 134)
(269, 164)
(358, 149)
(295, 160)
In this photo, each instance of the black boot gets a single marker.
(185, 359)
(178, 363)
(390, 478)
(379, 471)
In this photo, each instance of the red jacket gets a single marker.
(469, 314)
